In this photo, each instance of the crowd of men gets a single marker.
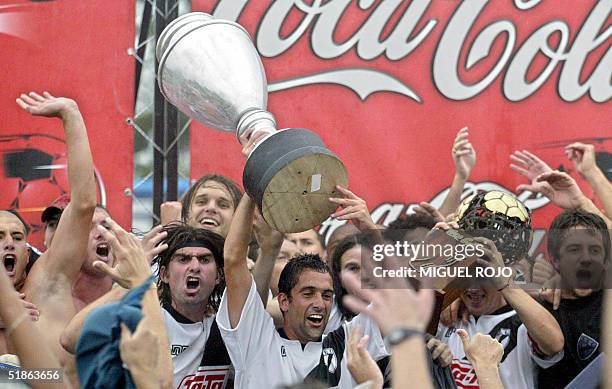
(213, 297)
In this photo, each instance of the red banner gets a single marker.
(387, 85)
(76, 49)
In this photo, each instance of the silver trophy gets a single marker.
(211, 71)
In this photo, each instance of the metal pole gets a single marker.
(158, 120)
(171, 128)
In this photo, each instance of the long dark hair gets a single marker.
(178, 235)
(336, 263)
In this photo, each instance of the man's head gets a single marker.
(51, 216)
(479, 301)
(337, 236)
(98, 248)
(288, 250)
(191, 269)
(305, 297)
(210, 203)
(14, 251)
(309, 242)
(579, 246)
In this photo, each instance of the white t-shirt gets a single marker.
(262, 358)
(517, 368)
(187, 345)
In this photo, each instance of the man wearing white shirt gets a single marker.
(264, 357)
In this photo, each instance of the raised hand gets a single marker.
(136, 352)
(528, 164)
(429, 210)
(150, 242)
(481, 349)
(250, 138)
(440, 352)
(354, 208)
(390, 308)
(583, 157)
(170, 212)
(132, 268)
(559, 187)
(359, 362)
(267, 238)
(463, 154)
(46, 105)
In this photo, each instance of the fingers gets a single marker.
(27, 99)
(347, 193)
(556, 298)
(465, 314)
(351, 282)
(37, 97)
(354, 304)
(434, 346)
(48, 95)
(520, 170)
(109, 271)
(22, 104)
(156, 235)
(465, 338)
(126, 334)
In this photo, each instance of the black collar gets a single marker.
(176, 315)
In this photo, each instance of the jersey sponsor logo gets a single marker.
(176, 349)
(330, 360)
(283, 352)
(449, 332)
(207, 377)
(586, 346)
(464, 374)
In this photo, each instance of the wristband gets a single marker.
(399, 335)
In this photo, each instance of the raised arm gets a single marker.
(67, 251)
(564, 192)
(583, 157)
(464, 157)
(237, 275)
(541, 325)
(270, 242)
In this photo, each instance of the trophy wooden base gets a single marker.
(291, 176)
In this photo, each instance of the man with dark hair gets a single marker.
(265, 357)
(579, 246)
(190, 285)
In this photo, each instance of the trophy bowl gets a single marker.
(211, 71)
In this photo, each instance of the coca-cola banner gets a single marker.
(387, 85)
(76, 49)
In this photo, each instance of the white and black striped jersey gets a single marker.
(518, 365)
(199, 357)
(263, 358)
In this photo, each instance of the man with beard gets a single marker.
(265, 357)
(579, 246)
(190, 286)
(529, 333)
